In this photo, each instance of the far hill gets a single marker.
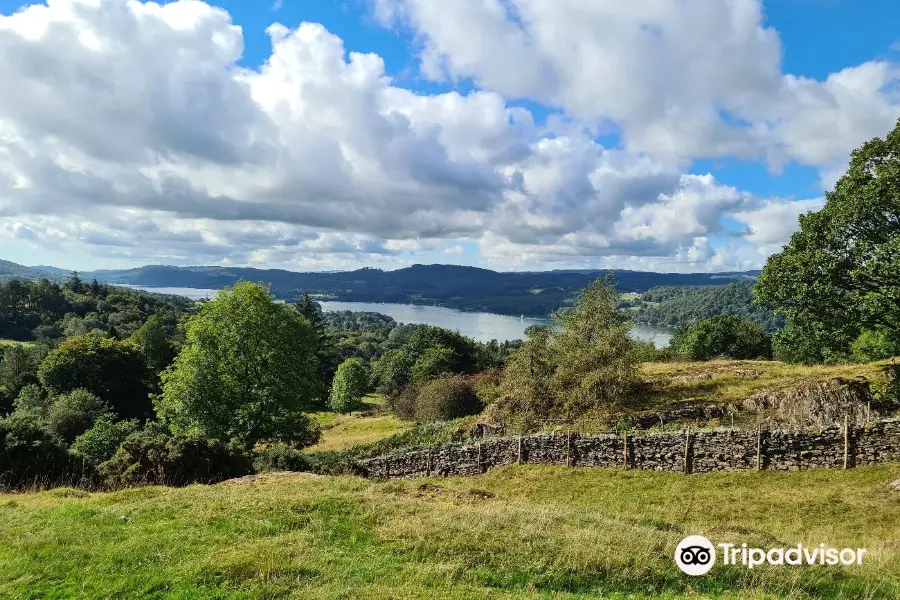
(10, 270)
(465, 288)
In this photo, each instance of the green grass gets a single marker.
(726, 384)
(523, 532)
(368, 425)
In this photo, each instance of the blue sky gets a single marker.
(692, 150)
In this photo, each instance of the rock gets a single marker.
(895, 486)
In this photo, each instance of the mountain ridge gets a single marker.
(531, 293)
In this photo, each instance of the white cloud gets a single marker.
(681, 78)
(129, 130)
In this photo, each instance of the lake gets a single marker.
(483, 327)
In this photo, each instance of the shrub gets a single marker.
(99, 443)
(876, 344)
(29, 453)
(724, 335)
(432, 363)
(445, 399)
(155, 456)
(74, 413)
(280, 457)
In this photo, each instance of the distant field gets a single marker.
(362, 427)
(14, 342)
(516, 532)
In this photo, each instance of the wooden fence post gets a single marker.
(479, 457)
(759, 447)
(569, 448)
(519, 462)
(846, 440)
(430, 449)
(625, 449)
(687, 444)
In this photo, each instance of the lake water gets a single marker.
(483, 327)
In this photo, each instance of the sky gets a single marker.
(660, 135)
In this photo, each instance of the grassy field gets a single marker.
(515, 532)
(5, 342)
(734, 380)
(362, 427)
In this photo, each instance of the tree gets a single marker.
(726, 336)
(17, 370)
(247, 371)
(840, 273)
(326, 351)
(585, 362)
(349, 386)
(114, 371)
(592, 351)
(432, 363)
(154, 344)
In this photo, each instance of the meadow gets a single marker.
(515, 532)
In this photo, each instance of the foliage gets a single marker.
(876, 344)
(808, 343)
(586, 362)
(391, 372)
(686, 305)
(114, 371)
(74, 413)
(29, 453)
(432, 363)
(840, 273)
(33, 400)
(325, 350)
(156, 456)
(153, 342)
(247, 371)
(723, 336)
(18, 369)
(99, 443)
(280, 457)
(446, 399)
(350, 384)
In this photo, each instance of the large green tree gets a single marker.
(349, 385)
(151, 338)
(840, 273)
(247, 371)
(114, 371)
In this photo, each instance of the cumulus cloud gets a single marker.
(680, 78)
(131, 131)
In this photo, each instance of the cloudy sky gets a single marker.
(673, 135)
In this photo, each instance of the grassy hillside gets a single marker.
(523, 532)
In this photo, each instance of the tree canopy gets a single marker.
(840, 273)
(247, 371)
(349, 385)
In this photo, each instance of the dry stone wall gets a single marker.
(679, 452)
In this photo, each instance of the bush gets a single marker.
(99, 443)
(446, 399)
(725, 336)
(876, 344)
(155, 456)
(403, 403)
(74, 413)
(29, 453)
(280, 457)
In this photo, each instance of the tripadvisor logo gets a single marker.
(696, 555)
